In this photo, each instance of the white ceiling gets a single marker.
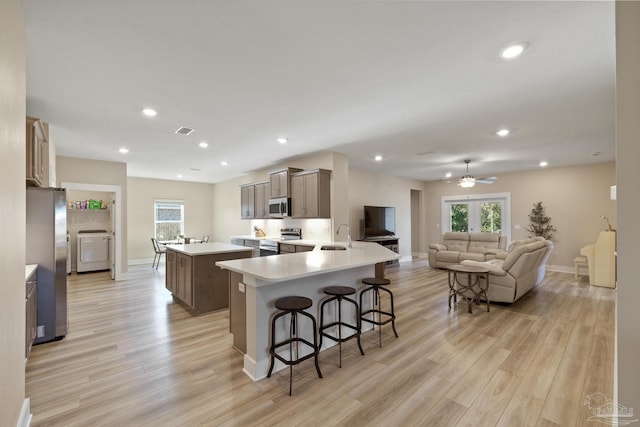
(420, 83)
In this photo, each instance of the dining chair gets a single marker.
(205, 239)
(159, 251)
(187, 240)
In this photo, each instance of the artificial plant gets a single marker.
(540, 223)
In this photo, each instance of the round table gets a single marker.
(471, 289)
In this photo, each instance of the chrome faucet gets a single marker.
(348, 232)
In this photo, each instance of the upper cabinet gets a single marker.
(281, 181)
(254, 200)
(247, 201)
(36, 138)
(262, 194)
(311, 194)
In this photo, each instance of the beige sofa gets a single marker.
(514, 273)
(456, 247)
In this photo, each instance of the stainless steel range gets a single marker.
(290, 233)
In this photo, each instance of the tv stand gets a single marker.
(389, 242)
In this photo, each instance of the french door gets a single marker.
(488, 213)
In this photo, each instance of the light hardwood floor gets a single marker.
(133, 356)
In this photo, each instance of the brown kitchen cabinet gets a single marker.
(247, 201)
(290, 248)
(199, 284)
(280, 182)
(261, 203)
(36, 140)
(311, 194)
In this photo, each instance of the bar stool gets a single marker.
(376, 285)
(293, 305)
(338, 293)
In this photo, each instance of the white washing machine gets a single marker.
(93, 251)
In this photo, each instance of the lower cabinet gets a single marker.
(197, 282)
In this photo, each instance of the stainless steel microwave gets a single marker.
(280, 207)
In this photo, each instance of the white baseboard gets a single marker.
(25, 415)
(420, 254)
(560, 268)
(143, 261)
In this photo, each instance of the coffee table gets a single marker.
(475, 286)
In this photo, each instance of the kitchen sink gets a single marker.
(332, 248)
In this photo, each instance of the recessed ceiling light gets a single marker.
(513, 51)
(503, 132)
(544, 164)
(282, 140)
(448, 175)
(378, 158)
(149, 112)
(123, 150)
(203, 144)
(179, 175)
(224, 163)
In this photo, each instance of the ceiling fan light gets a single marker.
(467, 181)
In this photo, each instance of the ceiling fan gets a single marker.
(469, 181)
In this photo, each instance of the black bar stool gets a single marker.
(376, 285)
(339, 293)
(294, 306)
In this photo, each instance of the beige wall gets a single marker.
(574, 197)
(12, 212)
(198, 211)
(99, 173)
(375, 189)
(628, 156)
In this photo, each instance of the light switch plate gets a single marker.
(241, 287)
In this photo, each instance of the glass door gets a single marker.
(483, 213)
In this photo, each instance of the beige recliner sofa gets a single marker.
(514, 273)
(456, 247)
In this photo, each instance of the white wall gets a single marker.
(12, 213)
(628, 156)
(142, 192)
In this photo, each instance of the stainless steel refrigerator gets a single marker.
(47, 246)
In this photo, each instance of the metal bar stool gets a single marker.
(338, 293)
(376, 285)
(293, 305)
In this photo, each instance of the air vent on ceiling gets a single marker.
(184, 131)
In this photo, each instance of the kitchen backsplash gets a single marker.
(312, 229)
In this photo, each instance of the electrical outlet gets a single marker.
(241, 287)
(40, 332)
(517, 227)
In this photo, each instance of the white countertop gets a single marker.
(29, 270)
(207, 248)
(279, 268)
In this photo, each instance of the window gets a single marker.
(488, 213)
(169, 219)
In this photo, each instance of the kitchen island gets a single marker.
(194, 279)
(263, 280)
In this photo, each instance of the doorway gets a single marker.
(113, 199)
(416, 229)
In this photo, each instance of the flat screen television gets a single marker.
(379, 221)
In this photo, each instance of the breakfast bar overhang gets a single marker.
(266, 279)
